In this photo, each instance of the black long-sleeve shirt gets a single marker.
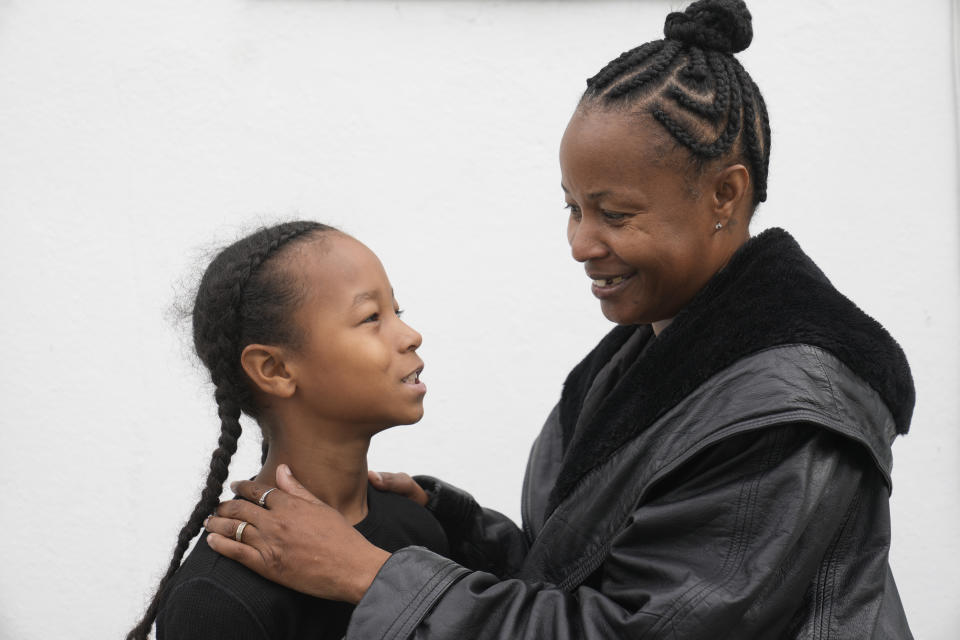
(212, 596)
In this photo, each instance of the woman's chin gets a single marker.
(621, 314)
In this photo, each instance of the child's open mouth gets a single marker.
(412, 378)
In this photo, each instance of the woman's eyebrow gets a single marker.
(590, 196)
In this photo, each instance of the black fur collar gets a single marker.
(769, 294)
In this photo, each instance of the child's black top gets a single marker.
(212, 596)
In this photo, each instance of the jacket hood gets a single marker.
(769, 294)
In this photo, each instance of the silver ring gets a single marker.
(263, 499)
(238, 534)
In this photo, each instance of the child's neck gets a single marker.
(334, 471)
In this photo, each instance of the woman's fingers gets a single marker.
(297, 541)
(227, 527)
(253, 491)
(399, 483)
(223, 540)
(241, 510)
(286, 482)
(243, 553)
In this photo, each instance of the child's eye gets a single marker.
(398, 311)
(374, 317)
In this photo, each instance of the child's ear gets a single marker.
(266, 367)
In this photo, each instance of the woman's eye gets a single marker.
(375, 317)
(613, 216)
(574, 210)
(398, 311)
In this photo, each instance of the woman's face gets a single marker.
(644, 229)
(357, 361)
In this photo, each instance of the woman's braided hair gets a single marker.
(694, 87)
(245, 297)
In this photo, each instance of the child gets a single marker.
(299, 328)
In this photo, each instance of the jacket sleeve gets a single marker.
(480, 539)
(730, 541)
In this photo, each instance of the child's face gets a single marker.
(357, 363)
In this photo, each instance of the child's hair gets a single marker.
(245, 297)
(693, 86)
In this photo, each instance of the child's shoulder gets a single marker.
(394, 522)
(214, 596)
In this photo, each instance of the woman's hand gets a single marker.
(297, 541)
(399, 483)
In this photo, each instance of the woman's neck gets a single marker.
(333, 470)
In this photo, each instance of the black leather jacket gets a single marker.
(730, 484)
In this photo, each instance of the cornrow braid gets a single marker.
(757, 131)
(692, 85)
(627, 60)
(241, 300)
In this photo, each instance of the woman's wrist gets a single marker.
(453, 507)
(432, 491)
(370, 566)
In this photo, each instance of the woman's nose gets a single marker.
(584, 244)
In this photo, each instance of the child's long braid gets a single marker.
(693, 86)
(223, 323)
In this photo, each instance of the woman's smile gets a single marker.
(608, 286)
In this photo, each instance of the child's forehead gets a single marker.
(332, 253)
(342, 269)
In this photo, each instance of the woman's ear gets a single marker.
(731, 193)
(265, 365)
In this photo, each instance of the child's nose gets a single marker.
(412, 338)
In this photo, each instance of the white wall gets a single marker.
(137, 136)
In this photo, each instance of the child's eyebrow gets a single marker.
(363, 297)
(366, 295)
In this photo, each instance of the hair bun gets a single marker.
(719, 25)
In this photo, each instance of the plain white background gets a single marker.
(136, 137)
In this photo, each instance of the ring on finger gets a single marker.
(263, 499)
(238, 534)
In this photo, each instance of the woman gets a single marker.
(717, 466)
